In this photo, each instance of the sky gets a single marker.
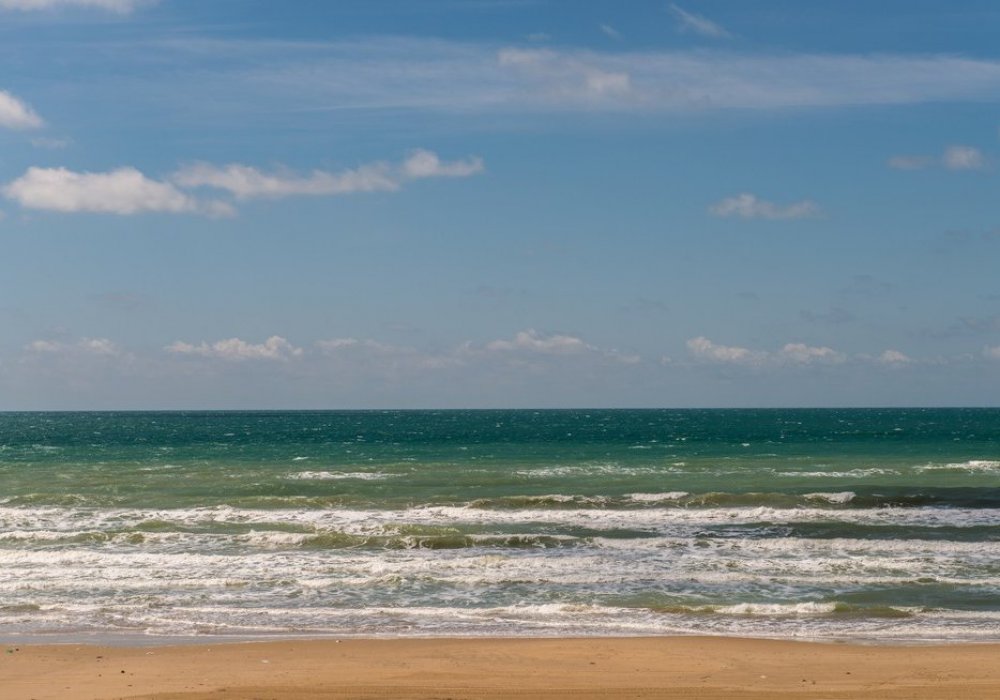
(246, 204)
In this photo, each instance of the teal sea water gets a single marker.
(878, 524)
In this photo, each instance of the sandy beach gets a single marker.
(685, 667)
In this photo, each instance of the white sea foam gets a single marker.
(849, 474)
(612, 469)
(663, 559)
(657, 497)
(971, 466)
(808, 608)
(365, 520)
(839, 497)
(231, 617)
(226, 570)
(350, 590)
(328, 475)
(989, 464)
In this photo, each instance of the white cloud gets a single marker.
(15, 114)
(749, 206)
(894, 357)
(704, 349)
(963, 158)
(235, 349)
(423, 163)
(395, 75)
(531, 348)
(527, 348)
(796, 354)
(992, 353)
(690, 22)
(701, 348)
(953, 158)
(84, 346)
(610, 32)
(246, 182)
(801, 353)
(533, 341)
(909, 162)
(119, 6)
(459, 77)
(561, 78)
(122, 191)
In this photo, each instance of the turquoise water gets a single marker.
(834, 524)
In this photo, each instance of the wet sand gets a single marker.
(677, 667)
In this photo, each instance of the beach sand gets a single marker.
(678, 667)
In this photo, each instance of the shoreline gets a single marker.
(142, 641)
(485, 667)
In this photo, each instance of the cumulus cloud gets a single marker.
(702, 348)
(68, 365)
(374, 355)
(749, 206)
(84, 346)
(533, 341)
(247, 182)
(526, 348)
(119, 6)
(126, 190)
(894, 357)
(122, 191)
(530, 346)
(690, 22)
(796, 354)
(801, 353)
(16, 114)
(235, 349)
(423, 163)
(963, 158)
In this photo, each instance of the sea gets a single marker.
(868, 525)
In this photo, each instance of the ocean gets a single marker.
(876, 525)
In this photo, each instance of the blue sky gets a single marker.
(474, 203)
